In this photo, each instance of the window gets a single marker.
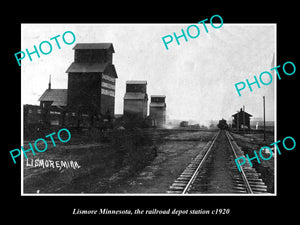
(54, 122)
(54, 112)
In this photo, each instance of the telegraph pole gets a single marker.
(237, 121)
(264, 118)
(244, 118)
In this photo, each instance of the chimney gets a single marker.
(49, 84)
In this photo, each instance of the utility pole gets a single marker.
(237, 121)
(264, 118)
(244, 118)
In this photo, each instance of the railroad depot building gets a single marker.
(241, 120)
(90, 97)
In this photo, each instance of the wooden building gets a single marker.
(31, 114)
(53, 104)
(91, 80)
(135, 100)
(90, 98)
(241, 120)
(158, 109)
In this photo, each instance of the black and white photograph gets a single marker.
(164, 109)
(158, 112)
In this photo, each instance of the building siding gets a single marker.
(135, 108)
(159, 115)
(84, 91)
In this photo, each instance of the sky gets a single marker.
(197, 76)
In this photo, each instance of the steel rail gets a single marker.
(199, 166)
(248, 187)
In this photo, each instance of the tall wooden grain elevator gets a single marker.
(91, 81)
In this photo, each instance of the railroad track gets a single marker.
(214, 170)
